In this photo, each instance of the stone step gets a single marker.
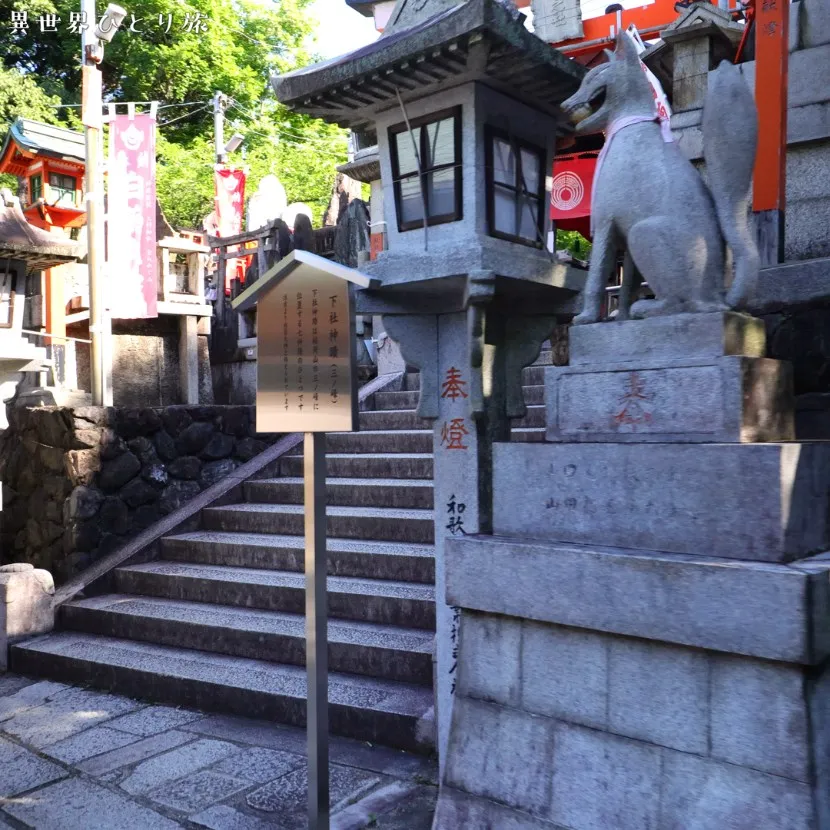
(405, 418)
(408, 419)
(373, 710)
(366, 465)
(380, 651)
(402, 401)
(400, 562)
(365, 600)
(524, 435)
(395, 401)
(376, 523)
(531, 376)
(377, 441)
(354, 492)
(535, 419)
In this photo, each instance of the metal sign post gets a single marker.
(306, 382)
(316, 631)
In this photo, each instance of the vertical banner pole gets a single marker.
(316, 612)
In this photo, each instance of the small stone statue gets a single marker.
(650, 201)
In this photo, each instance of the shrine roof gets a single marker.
(38, 248)
(476, 40)
(46, 140)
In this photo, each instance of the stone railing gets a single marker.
(79, 483)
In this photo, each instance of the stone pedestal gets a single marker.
(645, 638)
(25, 605)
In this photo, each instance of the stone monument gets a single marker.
(644, 638)
(464, 102)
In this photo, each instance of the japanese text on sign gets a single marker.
(304, 371)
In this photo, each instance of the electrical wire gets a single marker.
(300, 138)
(186, 115)
(136, 103)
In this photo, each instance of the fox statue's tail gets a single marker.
(730, 142)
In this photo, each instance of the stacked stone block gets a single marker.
(644, 639)
(79, 483)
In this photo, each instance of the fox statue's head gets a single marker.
(613, 90)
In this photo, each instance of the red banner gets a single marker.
(131, 217)
(570, 196)
(229, 187)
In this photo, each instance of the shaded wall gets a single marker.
(78, 483)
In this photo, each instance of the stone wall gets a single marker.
(78, 483)
(561, 728)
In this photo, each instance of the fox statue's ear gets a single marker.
(625, 50)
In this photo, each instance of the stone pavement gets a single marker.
(76, 759)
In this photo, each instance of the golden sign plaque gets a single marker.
(306, 345)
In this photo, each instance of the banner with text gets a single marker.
(230, 200)
(131, 217)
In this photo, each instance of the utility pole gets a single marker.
(220, 103)
(94, 185)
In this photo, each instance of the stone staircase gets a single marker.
(217, 622)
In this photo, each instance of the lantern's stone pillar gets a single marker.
(471, 366)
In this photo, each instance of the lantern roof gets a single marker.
(475, 40)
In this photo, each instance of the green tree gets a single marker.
(227, 45)
(20, 95)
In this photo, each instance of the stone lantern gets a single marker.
(463, 103)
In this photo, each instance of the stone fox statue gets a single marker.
(650, 201)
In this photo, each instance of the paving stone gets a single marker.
(602, 781)
(87, 744)
(700, 793)
(484, 756)
(11, 684)
(27, 697)
(76, 804)
(176, 764)
(565, 673)
(289, 794)
(22, 771)
(196, 792)
(133, 753)
(154, 719)
(397, 806)
(224, 817)
(659, 694)
(759, 716)
(458, 810)
(260, 765)
(490, 668)
(67, 713)
(344, 751)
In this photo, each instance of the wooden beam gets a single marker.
(772, 18)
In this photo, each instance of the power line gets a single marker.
(300, 138)
(136, 103)
(186, 115)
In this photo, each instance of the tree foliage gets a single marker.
(21, 96)
(232, 46)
